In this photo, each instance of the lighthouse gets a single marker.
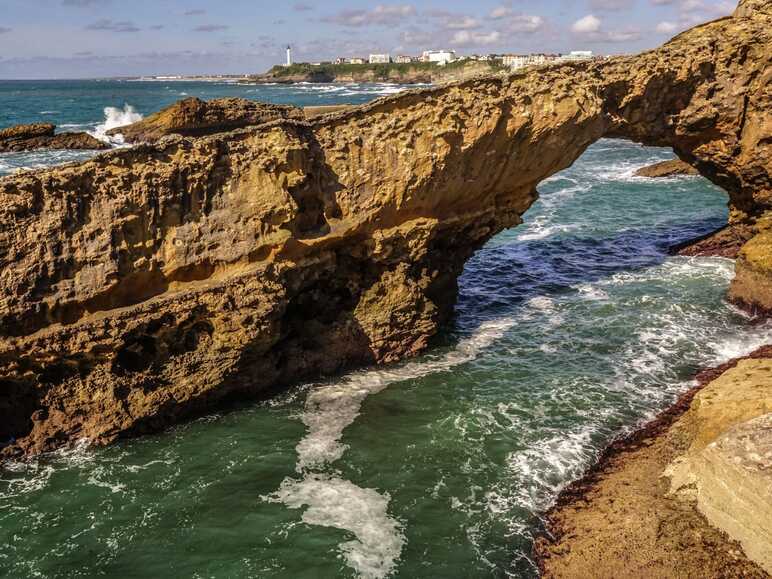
(289, 55)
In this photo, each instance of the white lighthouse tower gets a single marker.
(289, 55)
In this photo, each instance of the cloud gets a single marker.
(301, 7)
(105, 24)
(591, 29)
(381, 15)
(524, 23)
(211, 28)
(462, 23)
(157, 27)
(5, 30)
(667, 27)
(473, 38)
(587, 25)
(500, 12)
(196, 12)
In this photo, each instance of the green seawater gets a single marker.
(571, 329)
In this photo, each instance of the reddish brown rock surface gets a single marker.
(42, 136)
(193, 117)
(151, 283)
(667, 169)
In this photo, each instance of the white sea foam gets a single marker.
(334, 502)
(115, 118)
(331, 408)
(338, 503)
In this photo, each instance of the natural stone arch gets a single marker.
(294, 249)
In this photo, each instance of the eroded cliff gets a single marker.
(153, 282)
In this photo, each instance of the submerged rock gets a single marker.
(150, 283)
(667, 169)
(193, 117)
(42, 136)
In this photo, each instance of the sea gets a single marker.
(571, 329)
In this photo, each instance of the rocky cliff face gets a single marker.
(42, 136)
(151, 283)
(192, 117)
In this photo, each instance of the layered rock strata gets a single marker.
(193, 117)
(22, 138)
(151, 283)
(689, 495)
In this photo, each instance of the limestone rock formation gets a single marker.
(688, 495)
(666, 169)
(42, 136)
(150, 283)
(728, 465)
(193, 117)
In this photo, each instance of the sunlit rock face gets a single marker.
(151, 283)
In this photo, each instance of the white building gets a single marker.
(439, 56)
(575, 55)
(380, 59)
(516, 61)
(357, 60)
(289, 55)
(404, 59)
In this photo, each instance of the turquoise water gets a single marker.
(570, 329)
(98, 105)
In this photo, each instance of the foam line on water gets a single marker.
(330, 409)
(338, 503)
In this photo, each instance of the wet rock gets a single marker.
(667, 169)
(22, 138)
(194, 117)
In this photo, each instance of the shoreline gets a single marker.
(589, 495)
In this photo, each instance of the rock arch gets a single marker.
(302, 248)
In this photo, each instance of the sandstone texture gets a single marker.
(194, 117)
(667, 169)
(151, 283)
(689, 495)
(22, 138)
(727, 468)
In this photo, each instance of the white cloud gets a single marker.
(471, 38)
(667, 27)
(382, 14)
(462, 23)
(586, 25)
(501, 12)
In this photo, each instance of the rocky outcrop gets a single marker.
(193, 117)
(42, 136)
(151, 283)
(666, 169)
(398, 73)
(688, 495)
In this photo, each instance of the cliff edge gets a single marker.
(151, 283)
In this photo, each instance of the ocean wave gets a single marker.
(115, 118)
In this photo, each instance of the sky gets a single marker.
(108, 38)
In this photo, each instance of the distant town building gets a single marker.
(516, 61)
(380, 59)
(575, 55)
(289, 55)
(439, 56)
(405, 59)
(341, 60)
(357, 60)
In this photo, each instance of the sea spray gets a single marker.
(115, 118)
